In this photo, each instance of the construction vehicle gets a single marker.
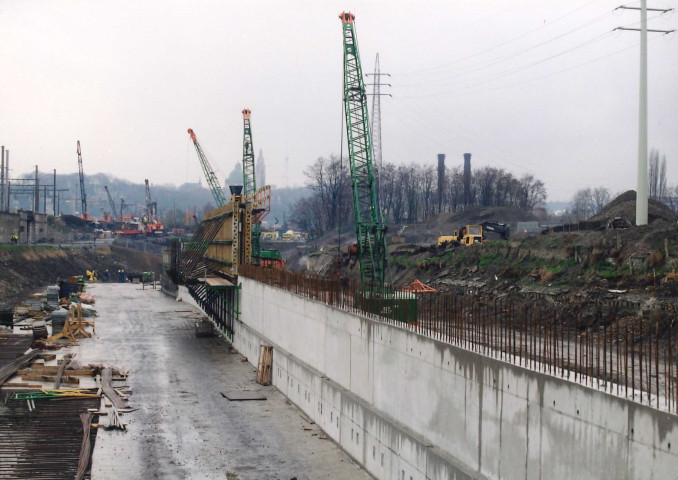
(83, 196)
(500, 228)
(152, 226)
(468, 235)
(370, 228)
(211, 178)
(112, 204)
(473, 234)
(376, 295)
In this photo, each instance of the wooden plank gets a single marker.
(20, 384)
(47, 356)
(263, 376)
(51, 378)
(52, 369)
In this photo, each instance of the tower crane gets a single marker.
(370, 228)
(112, 204)
(212, 180)
(249, 179)
(83, 196)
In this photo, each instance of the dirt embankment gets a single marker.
(639, 264)
(26, 269)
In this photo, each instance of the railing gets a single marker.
(220, 304)
(608, 345)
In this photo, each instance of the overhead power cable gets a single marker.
(456, 94)
(510, 41)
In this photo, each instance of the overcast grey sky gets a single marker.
(531, 86)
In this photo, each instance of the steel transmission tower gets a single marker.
(375, 124)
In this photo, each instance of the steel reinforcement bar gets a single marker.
(609, 345)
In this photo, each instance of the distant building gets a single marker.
(260, 170)
(235, 177)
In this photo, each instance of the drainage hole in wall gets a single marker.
(554, 403)
(382, 459)
(357, 437)
(577, 412)
(669, 445)
(374, 452)
(631, 431)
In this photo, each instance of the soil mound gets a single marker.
(477, 215)
(624, 206)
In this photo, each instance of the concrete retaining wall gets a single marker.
(406, 406)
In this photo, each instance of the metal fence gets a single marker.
(607, 344)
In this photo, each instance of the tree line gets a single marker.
(409, 194)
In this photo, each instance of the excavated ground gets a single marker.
(27, 268)
(570, 267)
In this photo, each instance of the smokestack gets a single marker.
(441, 180)
(467, 179)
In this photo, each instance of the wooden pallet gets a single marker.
(264, 365)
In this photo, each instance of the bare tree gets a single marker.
(600, 197)
(656, 175)
(582, 204)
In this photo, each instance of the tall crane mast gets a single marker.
(83, 195)
(112, 204)
(249, 179)
(151, 206)
(370, 228)
(212, 180)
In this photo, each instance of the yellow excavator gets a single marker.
(472, 234)
(468, 235)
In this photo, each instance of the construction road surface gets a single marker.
(185, 428)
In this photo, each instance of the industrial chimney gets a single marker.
(441, 180)
(467, 179)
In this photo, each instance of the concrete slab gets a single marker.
(184, 428)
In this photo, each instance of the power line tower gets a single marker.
(375, 124)
(641, 190)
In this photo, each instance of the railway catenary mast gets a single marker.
(83, 196)
(212, 180)
(370, 229)
(249, 179)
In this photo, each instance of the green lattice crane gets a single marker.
(212, 180)
(249, 181)
(370, 229)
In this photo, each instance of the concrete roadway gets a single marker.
(185, 428)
